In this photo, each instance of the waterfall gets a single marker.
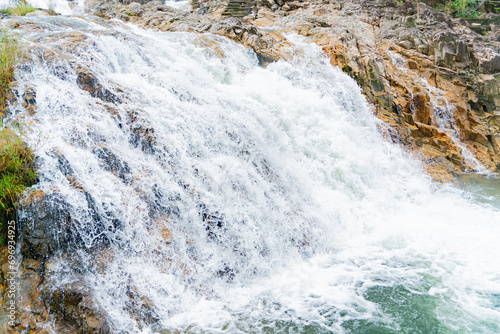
(233, 198)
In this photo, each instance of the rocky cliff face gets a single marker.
(431, 79)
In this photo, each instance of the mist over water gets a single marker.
(244, 199)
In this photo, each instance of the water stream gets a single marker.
(242, 199)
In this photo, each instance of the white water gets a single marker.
(317, 224)
(183, 5)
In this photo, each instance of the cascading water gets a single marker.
(241, 199)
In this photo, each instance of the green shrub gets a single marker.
(9, 52)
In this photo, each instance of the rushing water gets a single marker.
(243, 199)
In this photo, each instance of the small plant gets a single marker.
(8, 58)
(51, 6)
(22, 7)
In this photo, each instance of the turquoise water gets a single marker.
(482, 188)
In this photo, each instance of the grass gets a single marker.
(9, 52)
(17, 171)
(21, 8)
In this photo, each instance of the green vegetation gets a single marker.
(21, 8)
(8, 57)
(464, 8)
(459, 8)
(17, 163)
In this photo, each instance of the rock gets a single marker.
(159, 229)
(143, 135)
(75, 304)
(43, 307)
(88, 82)
(110, 162)
(44, 225)
(239, 8)
(422, 109)
(141, 307)
(39, 12)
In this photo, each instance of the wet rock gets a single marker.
(43, 304)
(77, 307)
(159, 229)
(44, 224)
(141, 307)
(31, 315)
(29, 101)
(227, 273)
(88, 82)
(142, 134)
(63, 164)
(214, 223)
(47, 227)
(163, 203)
(110, 162)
